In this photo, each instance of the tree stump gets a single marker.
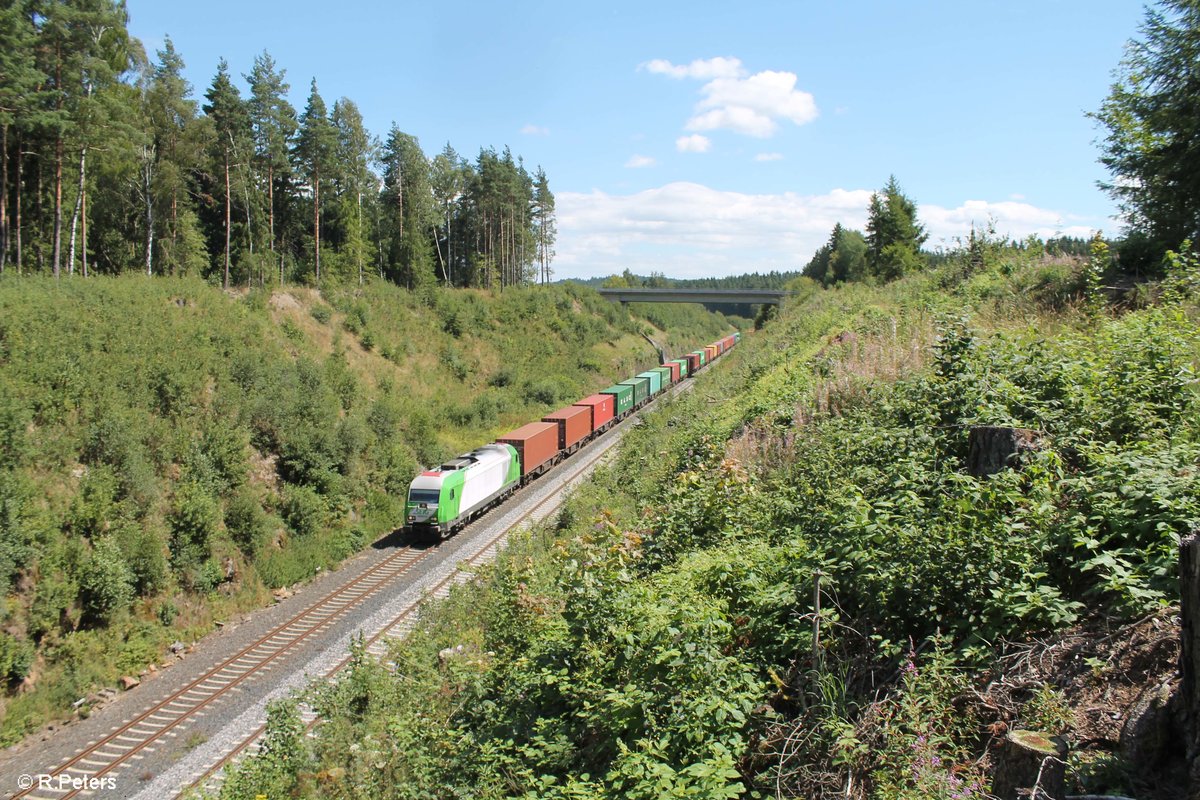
(1189, 657)
(1030, 766)
(991, 448)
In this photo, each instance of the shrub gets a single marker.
(304, 510)
(166, 613)
(193, 522)
(246, 522)
(546, 391)
(16, 657)
(105, 582)
(142, 546)
(321, 313)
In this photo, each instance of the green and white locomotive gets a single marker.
(442, 500)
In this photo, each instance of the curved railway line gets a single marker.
(377, 643)
(118, 750)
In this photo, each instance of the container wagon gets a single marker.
(601, 411)
(623, 394)
(676, 375)
(641, 390)
(668, 376)
(536, 445)
(442, 500)
(655, 378)
(574, 424)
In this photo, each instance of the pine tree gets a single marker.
(355, 151)
(274, 122)
(894, 237)
(18, 78)
(448, 176)
(231, 127)
(167, 156)
(409, 212)
(545, 225)
(1152, 115)
(314, 153)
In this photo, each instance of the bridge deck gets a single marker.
(773, 296)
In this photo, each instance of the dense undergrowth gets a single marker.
(787, 584)
(170, 453)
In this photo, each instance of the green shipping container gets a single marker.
(641, 389)
(666, 375)
(703, 356)
(683, 367)
(624, 395)
(655, 378)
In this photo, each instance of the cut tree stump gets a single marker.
(1189, 656)
(1030, 766)
(991, 448)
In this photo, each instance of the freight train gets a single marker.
(443, 500)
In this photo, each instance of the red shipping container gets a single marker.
(603, 408)
(671, 365)
(693, 363)
(536, 444)
(574, 423)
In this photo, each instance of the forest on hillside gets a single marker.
(110, 163)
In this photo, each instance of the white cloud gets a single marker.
(640, 162)
(752, 105)
(702, 69)
(1012, 219)
(693, 144)
(535, 130)
(689, 230)
(732, 100)
(769, 157)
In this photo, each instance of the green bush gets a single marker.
(246, 522)
(321, 313)
(106, 584)
(193, 522)
(304, 510)
(16, 657)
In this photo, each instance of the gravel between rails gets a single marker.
(185, 756)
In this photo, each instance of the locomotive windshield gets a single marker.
(423, 495)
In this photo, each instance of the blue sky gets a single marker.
(699, 138)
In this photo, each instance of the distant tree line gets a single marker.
(656, 280)
(111, 165)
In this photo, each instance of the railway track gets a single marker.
(83, 772)
(377, 644)
(94, 769)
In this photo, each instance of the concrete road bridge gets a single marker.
(670, 295)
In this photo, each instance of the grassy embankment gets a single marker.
(170, 453)
(788, 585)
